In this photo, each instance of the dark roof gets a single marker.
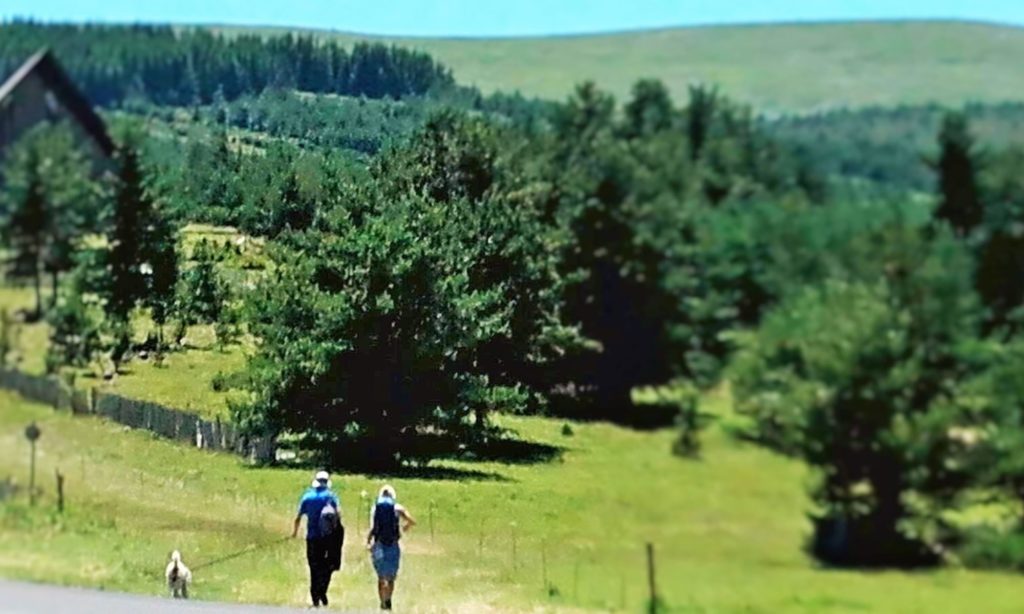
(43, 64)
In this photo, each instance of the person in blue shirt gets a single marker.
(325, 535)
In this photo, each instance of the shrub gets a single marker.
(990, 548)
(690, 423)
(74, 334)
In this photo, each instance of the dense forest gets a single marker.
(189, 67)
(891, 147)
(558, 258)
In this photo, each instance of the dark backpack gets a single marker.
(329, 521)
(385, 522)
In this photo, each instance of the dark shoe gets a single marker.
(323, 600)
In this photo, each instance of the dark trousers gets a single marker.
(324, 557)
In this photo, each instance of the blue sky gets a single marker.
(502, 17)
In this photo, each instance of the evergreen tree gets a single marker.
(161, 251)
(959, 197)
(650, 111)
(201, 293)
(699, 116)
(50, 199)
(26, 220)
(131, 206)
(856, 378)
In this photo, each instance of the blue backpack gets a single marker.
(385, 522)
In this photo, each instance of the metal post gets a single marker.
(32, 475)
(60, 492)
(653, 607)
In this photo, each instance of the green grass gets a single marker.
(728, 528)
(772, 67)
(28, 341)
(184, 381)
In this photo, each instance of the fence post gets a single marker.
(515, 553)
(576, 580)
(544, 565)
(60, 491)
(32, 476)
(32, 433)
(431, 521)
(651, 574)
(480, 545)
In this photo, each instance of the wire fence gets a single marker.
(164, 421)
(572, 570)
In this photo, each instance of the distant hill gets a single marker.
(797, 67)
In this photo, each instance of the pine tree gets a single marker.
(162, 260)
(26, 224)
(131, 206)
(650, 111)
(201, 292)
(699, 116)
(960, 201)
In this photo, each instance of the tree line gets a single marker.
(890, 147)
(112, 64)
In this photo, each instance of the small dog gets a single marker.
(178, 577)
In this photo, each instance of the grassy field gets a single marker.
(773, 67)
(184, 380)
(728, 528)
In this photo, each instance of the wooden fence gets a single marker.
(164, 421)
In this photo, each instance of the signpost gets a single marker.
(32, 433)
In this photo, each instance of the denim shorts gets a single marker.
(386, 560)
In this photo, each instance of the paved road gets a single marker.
(22, 598)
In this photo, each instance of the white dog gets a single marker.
(178, 577)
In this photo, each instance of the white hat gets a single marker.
(322, 478)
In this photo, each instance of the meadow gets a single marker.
(774, 68)
(566, 533)
(183, 380)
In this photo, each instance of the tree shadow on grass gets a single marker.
(435, 472)
(513, 452)
(419, 455)
(584, 406)
(403, 471)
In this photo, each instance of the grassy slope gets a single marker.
(184, 381)
(728, 529)
(776, 67)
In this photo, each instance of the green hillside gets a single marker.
(728, 528)
(773, 67)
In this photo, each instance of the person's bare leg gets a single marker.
(385, 588)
